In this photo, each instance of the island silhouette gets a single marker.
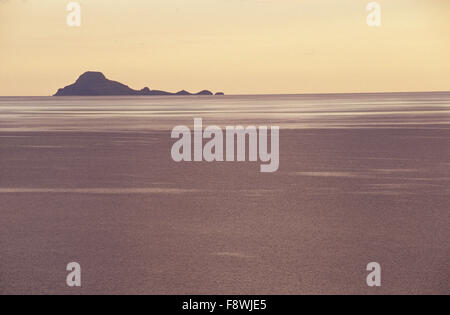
(93, 83)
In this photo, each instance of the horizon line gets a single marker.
(262, 94)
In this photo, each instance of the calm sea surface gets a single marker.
(288, 111)
(362, 178)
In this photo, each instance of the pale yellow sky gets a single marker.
(235, 46)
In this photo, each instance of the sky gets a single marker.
(234, 46)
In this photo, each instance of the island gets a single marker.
(93, 83)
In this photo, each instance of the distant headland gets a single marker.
(96, 84)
